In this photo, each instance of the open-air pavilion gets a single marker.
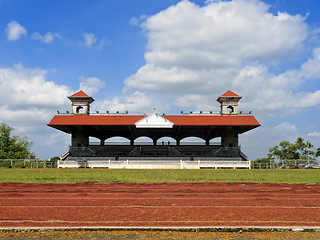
(207, 126)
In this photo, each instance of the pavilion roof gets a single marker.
(177, 120)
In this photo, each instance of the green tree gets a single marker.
(13, 147)
(285, 150)
(303, 149)
(300, 151)
(317, 154)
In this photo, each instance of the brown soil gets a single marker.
(165, 204)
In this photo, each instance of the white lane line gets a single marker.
(152, 221)
(271, 193)
(164, 206)
(156, 198)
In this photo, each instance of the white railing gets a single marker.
(153, 164)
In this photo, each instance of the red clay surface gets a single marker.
(167, 204)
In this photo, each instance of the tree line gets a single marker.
(301, 151)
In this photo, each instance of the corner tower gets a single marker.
(80, 103)
(229, 103)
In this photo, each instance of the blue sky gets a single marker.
(173, 55)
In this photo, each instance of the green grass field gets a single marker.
(47, 175)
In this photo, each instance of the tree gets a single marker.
(299, 150)
(303, 148)
(285, 150)
(318, 152)
(13, 147)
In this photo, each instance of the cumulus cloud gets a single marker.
(91, 85)
(197, 53)
(28, 101)
(15, 31)
(46, 38)
(90, 40)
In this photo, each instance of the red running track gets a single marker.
(159, 205)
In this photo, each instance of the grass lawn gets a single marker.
(48, 175)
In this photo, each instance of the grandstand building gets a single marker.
(208, 126)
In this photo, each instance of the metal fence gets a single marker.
(286, 164)
(27, 163)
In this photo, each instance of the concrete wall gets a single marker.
(79, 140)
(229, 139)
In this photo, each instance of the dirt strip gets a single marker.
(159, 205)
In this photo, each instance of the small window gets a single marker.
(230, 109)
(79, 109)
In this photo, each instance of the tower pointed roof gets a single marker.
(229, 94)
(80, 94)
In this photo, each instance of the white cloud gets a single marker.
(286, 128)
(135, 103)
(314, 134)
(28, 101)
(197, 53)
(46, 38)
(91, 85)
(89, 39)
(136, 21)
(15, 31)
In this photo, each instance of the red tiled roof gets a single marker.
(229, 94)
(188, 120)
(80, 94)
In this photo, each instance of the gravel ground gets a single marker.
(137, 235)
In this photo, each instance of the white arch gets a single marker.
(215, 141)
(143, 140)
(94, 141)
(117, 140)
(193, 141)
(166, 141)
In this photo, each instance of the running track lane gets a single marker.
(163, 204)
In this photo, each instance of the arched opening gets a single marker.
(79, 109)
(192, 141)
(94, 141)
(215, 141)
(143, 141)
(117, 141)
(230, 109)
(166, 141)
